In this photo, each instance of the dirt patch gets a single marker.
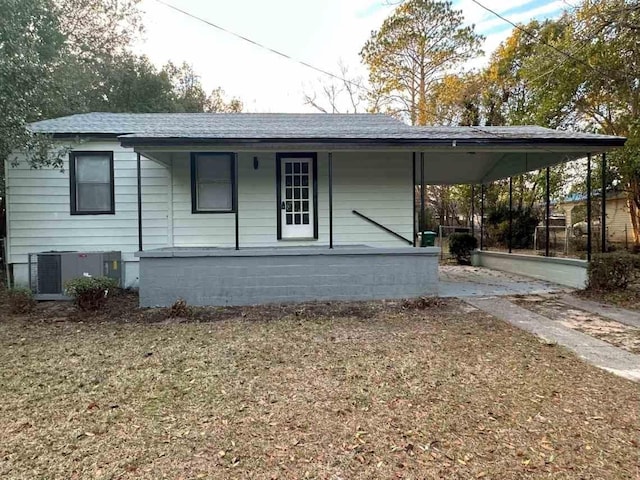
(615, 333)
(371, 390)
(628, 298)
(123, 308)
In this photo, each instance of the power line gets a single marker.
(260, 45)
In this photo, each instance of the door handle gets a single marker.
(283, 206)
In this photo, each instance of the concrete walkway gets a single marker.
(467, 281)
(594, 351)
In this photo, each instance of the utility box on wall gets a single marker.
(49, 271)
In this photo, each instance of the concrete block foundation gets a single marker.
(216, 276)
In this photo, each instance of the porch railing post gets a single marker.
(547, 196)
(589, 207)
(510, 214)
(139, 180)
(473, 210)
(413, 200)
(330, 200)
(235, 199)
(422, 207)
(603, 215)
(482, 193)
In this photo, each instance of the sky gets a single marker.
(319, 32)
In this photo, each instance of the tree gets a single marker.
(416, 46)
(344, 95)
(216, 102)
(30, 43)
(189, 95)
(580, 71)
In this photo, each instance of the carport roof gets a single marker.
(482, 153)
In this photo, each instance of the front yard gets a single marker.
(420, 390)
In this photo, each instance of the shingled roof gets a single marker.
(162, 127)
(453, 154)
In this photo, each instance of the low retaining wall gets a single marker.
(563, 271)
(212, 276)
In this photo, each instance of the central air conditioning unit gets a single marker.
(49, 271)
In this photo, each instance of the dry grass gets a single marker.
(395, 391)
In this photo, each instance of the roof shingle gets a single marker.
(289, 126)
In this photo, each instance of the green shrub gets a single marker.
(461, 245)
(613, 271)
(90, 293)
(523, 226)
(20, 300)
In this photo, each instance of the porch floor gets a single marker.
(467, 281)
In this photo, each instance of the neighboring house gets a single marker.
(618, 222)
(246, 208)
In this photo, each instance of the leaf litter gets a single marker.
(407, 389)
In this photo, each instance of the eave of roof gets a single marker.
(412, 141)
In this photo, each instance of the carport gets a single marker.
(480, 155)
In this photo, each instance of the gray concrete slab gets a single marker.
(621, 315)
(592, 350)
(467, 281)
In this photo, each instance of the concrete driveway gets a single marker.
(467, 281)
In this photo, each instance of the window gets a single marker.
(212, 186)
(91, 183)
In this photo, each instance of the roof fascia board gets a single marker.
(427, 142)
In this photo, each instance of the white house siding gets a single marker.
(39, 219)
(379, 185)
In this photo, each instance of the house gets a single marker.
(618, 223)
(249, 208)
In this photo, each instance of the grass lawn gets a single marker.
(390, 391)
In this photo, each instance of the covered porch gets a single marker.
(360, 239)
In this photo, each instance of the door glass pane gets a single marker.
(305, 167)
(297, 219)
(288, 180)
(305, 218)
(296, 167)
(305, 193)
(287, 167)
(289, 219)
(92, 168)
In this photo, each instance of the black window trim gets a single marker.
(194, 193)
(73, 183)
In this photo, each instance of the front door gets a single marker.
(296, 203)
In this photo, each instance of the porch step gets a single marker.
(595, 351)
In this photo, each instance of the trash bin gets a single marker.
(428, 239)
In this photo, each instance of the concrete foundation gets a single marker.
(569, 272)
(216, 276)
